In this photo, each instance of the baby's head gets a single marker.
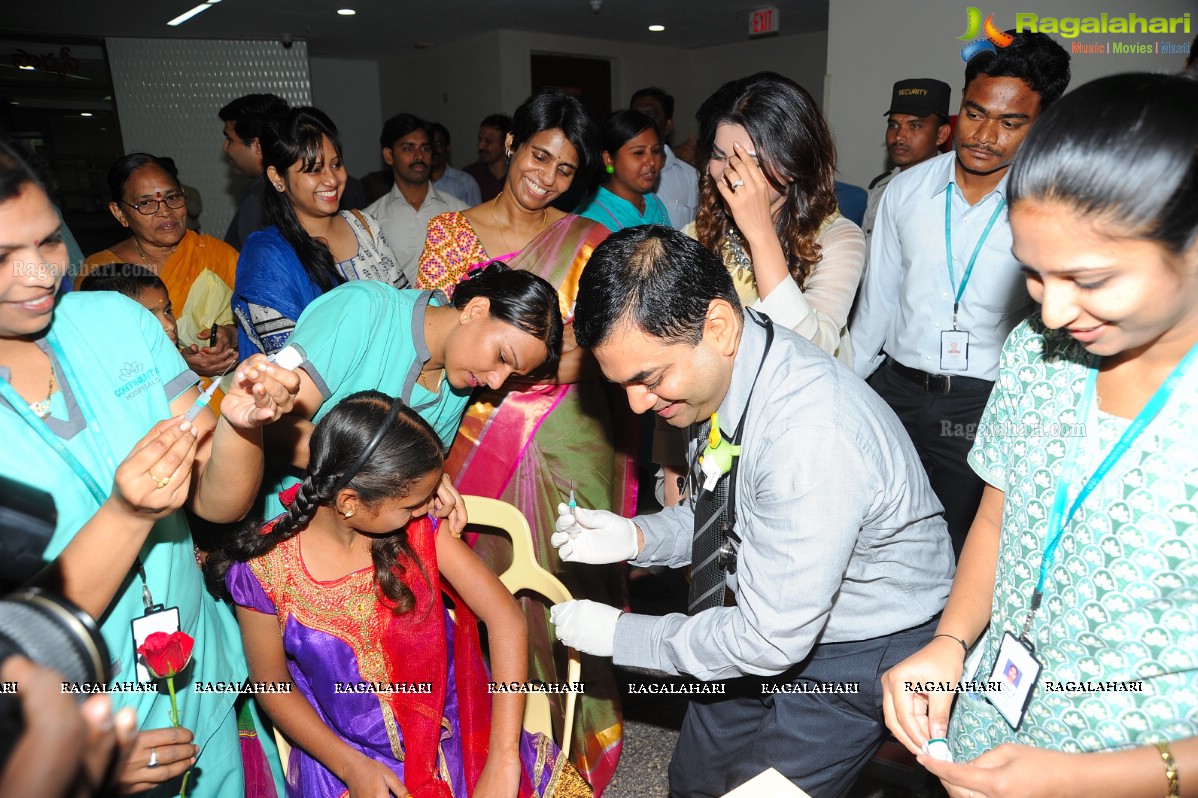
(139, 284)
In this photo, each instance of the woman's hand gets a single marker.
(371, 779)
(214, 360)
(746, 194)
(500, 777)
(171, 752)
(1011, 771)
(261, 393)
(154, 480)
(914, 717)
(450, 506)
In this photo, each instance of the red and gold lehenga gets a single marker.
(409, 691)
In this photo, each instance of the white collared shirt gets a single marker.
(906, 299)
(405, 227)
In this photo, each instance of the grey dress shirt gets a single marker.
(678, 189)
(876, 188)
(457, 183)
(842, 538)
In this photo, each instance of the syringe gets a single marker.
(288, 357)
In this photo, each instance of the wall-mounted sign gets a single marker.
(763, 21)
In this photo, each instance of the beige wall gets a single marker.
(456, 84)
(348, 90)
(459, 83)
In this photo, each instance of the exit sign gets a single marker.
(763, 21)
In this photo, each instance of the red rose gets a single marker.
(166, 654)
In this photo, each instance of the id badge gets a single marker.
(156, 619)
(1015, 671)
(954, 350)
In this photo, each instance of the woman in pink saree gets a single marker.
(531, 444)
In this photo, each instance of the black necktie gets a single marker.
(711, 526)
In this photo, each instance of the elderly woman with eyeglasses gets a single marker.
(198, 270)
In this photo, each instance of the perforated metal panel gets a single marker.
(168, 92)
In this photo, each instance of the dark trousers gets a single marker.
(942, 427)
(820, 741)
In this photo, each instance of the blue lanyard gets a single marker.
(38, 425)
(948, 248)
(1060, 518)
(53, 441)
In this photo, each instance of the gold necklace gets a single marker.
(507, 244)
(145, 259)
(423, 377)
(42, 409)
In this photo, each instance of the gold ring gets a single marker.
(162, 482)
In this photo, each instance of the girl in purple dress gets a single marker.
(387, 692)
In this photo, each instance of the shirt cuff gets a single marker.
(180, 385)
(317, 380)
(786, 305)
(664, 545)
(633, 644)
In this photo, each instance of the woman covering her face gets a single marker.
(767, 206)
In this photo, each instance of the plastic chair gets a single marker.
(284, 750)
(525, 573)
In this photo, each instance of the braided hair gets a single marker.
(407, 452)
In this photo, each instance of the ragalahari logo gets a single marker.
(975, 45)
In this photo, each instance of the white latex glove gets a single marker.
(595, 537)
(586, 625)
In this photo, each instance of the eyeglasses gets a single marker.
(149, 207)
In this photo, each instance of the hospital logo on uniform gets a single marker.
(136, 380)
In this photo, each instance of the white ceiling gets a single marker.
(383, 26)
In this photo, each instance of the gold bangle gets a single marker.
(1170, 769)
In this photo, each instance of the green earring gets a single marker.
(611, 170)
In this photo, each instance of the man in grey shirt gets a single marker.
(839, 559)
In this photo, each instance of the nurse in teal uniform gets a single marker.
(92, 395)
(415, 345)
(1076, 596)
